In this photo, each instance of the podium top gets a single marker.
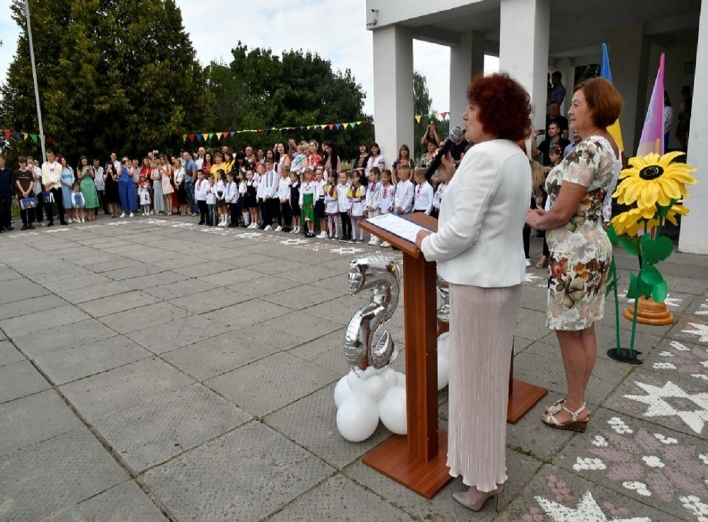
(405, 246)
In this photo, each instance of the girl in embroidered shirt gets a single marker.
(357, 195)
(251, 198)
(307, 202)
(331, 207)
(387, 197)
(295, 201)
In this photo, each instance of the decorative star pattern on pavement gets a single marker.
(587, 510)
(701, 330)
(658, 407)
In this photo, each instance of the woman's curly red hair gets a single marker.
(504, 106)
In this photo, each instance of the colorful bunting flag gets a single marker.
(34, 137)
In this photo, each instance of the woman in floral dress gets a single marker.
(580, 251)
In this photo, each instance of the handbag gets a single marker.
(26, 203)
(48, 197)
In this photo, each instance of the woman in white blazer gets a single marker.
(479, 252)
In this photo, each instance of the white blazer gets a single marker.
(479, 239)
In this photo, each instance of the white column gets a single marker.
(523, 49)
(567, 69)
(629, 59)
(393, 89)
(694, 238)
(466, 60)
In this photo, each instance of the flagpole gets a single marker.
(36, 86)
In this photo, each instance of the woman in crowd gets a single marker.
(375, 160)
(330, 159)
(580, 251)
(168, 182)
(483, 211)
(361, 161)
(110, 180)
(429, 155)
(179, 186)
(88, 188)
(283, 157)
(404, 158)
(313, 157)
(207, 164)
(126, 189)
(67, 188)
(158, 198)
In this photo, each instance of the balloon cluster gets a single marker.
(364, 397)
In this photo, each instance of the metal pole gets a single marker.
(36, 87)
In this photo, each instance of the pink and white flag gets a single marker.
(652, 139)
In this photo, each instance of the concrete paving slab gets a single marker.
(218, 355)
(248, 313)
(301, 297)
(165, 337)
(232, 276)
(9, 354)
(271, 383)
(153, 280)
(264, 285)
(136, 269)
(443, 507)
(691, 328)
(116, 390)
(7, 273)
(89, 359)
(114, 304)
(679, 359)
(143, 317)
(19, 289)
(82, 281)
(338, 310)
(20, 380)
(29, 306)
(33, 419)
(172, 423)
(216, 481)
(179, 289)
(123, 503)
(90, 293)
(312, 423)
(62, 337)
(292, 329)
(45, 320)
(327, 352)
(340, 499)
(84, 470)
(208, 301)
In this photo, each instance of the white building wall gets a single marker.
(694, 233)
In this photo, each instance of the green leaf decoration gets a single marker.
(612, 235)
(655, 250)
(610, 287)
(660, 291)
(631, 245)
(633, 287)
(651, 276)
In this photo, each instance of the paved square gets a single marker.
(152, 369)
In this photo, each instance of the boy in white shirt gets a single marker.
(423, 193)
(373, 199)
(231, 198)
(271, 205)
(437, 198)
(404, 191)
(344, 204)
(200, 195)
(387, 197)
(286, 222)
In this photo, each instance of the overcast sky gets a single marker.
(334, 29)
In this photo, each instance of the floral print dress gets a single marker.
(580, 249)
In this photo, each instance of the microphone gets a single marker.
(448, 144)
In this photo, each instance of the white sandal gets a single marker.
(574, 424)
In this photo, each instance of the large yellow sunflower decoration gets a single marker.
(651, 187)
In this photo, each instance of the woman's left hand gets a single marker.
(533, 216)
(422, 234)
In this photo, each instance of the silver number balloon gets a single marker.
(444, 293)
(382, 275)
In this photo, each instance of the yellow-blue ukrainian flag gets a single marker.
(606, 73)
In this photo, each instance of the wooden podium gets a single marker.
(418, 460)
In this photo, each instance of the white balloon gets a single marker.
(356, 381)
(389, 377)
(392, 409)
(357, 418)
(443, 371)
(401, 380)
(342, 391)
(444, 344)
(375, 388)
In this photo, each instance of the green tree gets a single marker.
(113, 75)
(422, 105)
(260, 90)
(583, 72)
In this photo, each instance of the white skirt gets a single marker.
(481, 337)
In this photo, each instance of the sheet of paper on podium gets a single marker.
(397, 226)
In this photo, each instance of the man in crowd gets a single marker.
(554, 138)
(6, 183)
(190, 178)
(557, 92)
(24, 185)
(37, 188)
(100, 186)
(554, 116)
(51, 181)
(200, 157)
(576, 139)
